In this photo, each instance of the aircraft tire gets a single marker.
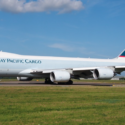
(48, 81)
(70, 82)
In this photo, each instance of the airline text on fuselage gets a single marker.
(28, 61)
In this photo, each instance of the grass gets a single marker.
(62, 105)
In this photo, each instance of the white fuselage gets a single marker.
(18, 65)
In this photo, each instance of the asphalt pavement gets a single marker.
(35, 83)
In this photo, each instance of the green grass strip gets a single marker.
(62, 105)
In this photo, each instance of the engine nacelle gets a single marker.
(60, 76)
(103, 73)
(24, 78)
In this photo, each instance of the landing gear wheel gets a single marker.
(60, 83)
(70, 82)
(48, 81)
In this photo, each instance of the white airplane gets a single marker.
(59, 69)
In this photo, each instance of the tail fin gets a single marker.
(122, 55)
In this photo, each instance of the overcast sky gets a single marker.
(74, 28)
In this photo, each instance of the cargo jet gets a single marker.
(59, 69)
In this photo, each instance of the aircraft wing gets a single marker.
(119, 69)
(71, 69)
(75, 72)
(36, 71)
(46, 71)
(84, 69)
(87, 72)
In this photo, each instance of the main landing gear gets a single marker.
(48, 81)
(70, 82)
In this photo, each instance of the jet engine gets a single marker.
(60, 76)
(24, 78)
(103, 73)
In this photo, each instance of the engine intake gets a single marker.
(103, 73)
(60, 76)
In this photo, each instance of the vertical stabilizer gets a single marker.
(122, 55)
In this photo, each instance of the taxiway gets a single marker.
(33, 83)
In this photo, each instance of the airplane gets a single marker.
(59, 69)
